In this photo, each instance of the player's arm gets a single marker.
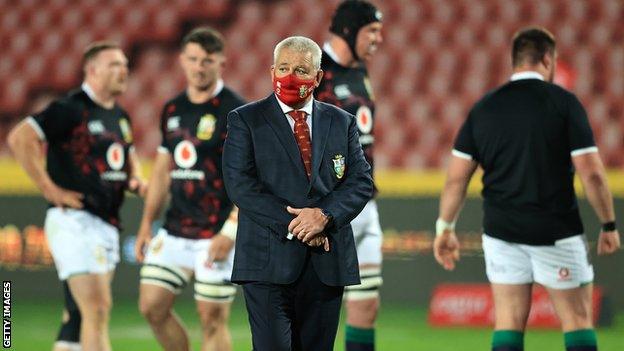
(137, 183)
(591, 171)
(157, 190)
(26, 144)
(446, 245)
(223, 242)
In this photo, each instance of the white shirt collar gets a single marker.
(526, 75)
(330, 52)
(218, 88)
(90, 93)
(307, 108)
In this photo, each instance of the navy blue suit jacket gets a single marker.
(263, 173)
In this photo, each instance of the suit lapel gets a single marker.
(321, 121)
(276, 119)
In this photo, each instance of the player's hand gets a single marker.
(144, 237)
(308, 223)
(608, 242)
(446, 250)
(63, 198)
(220, 247)
(137, 186)
(320, 240)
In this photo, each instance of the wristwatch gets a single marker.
(327, 215)
(608, 226)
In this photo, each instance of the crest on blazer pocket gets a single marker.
(339, 166)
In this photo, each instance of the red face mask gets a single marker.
(292, 90)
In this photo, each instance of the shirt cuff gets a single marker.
(583, 151)
(36, 127)
(162, 150)
(463, 155)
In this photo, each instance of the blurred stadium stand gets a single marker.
(438, 57)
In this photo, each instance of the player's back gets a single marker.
(523, 134)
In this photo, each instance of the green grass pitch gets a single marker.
(35, 324)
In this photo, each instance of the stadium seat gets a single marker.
(437, 59)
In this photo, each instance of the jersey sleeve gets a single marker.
(163, 147)
(325, 92)
(465, 146)
(55, 123)
(580, 134)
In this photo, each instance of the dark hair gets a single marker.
(209, 39)
(531, 44)
(95, 48)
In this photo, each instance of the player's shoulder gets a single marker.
(73, 101)
(336, 112)
(75, 97)
(232, 98)
(179, 99)
(123, 113)
(327, 62)
(559, 92)
(250, 110)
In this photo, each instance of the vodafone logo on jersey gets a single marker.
(184, 154)
(364, 118)
(115, 156)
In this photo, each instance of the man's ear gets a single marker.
(548, 61)
(319, 76)
(89, 68)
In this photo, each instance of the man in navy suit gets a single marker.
(296, 170)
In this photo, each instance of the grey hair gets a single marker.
(300, 44)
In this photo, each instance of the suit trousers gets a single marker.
(301, 316)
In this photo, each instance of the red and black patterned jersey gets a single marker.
(349, 88)
(193, 134)
(87, 151)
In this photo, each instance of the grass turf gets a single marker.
(35, 324)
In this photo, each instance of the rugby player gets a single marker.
(88, 165)
(355, 38)
(198, 234)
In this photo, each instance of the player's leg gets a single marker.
(214, 317)
(164, 275)
(512, 304)
(93, 297)
(565, 271)
(156, 305)
(85, 251)
(509, 270)
(573, 306)
(214, 295)
(362, 301)
(68, 338)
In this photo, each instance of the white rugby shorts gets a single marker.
(564, 265)
(81, 242)
(368, 239)
(368, 235)
(170, 258)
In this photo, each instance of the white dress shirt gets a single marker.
(307, 108)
